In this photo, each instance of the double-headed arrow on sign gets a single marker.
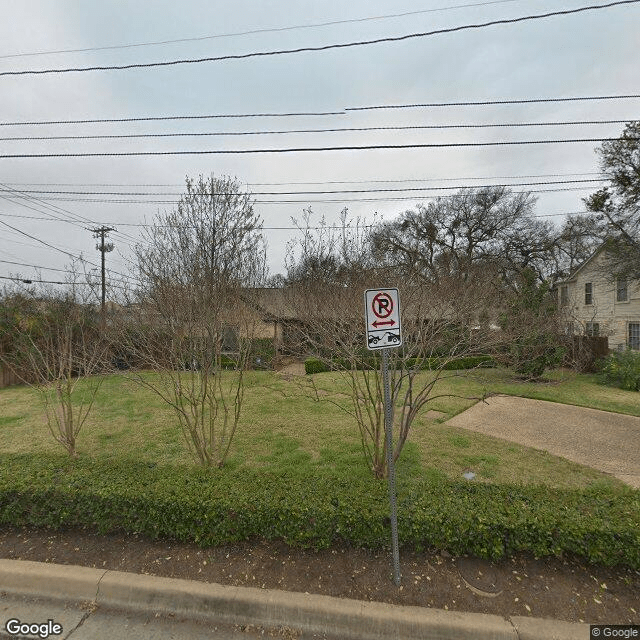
(383, 323)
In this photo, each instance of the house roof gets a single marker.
(271, 301)
(281, 304)
(598, 250)
(611, 241)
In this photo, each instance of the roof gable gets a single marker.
(572, 276)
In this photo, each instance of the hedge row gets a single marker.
(215, 507)
(316, 365)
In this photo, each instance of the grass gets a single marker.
(283, 428)
(567, 387)
(296, 473)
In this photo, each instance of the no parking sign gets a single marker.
(382, 312)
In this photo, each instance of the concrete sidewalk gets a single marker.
(606, 441)
(93, 603)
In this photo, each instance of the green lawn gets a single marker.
(296, 473)
(283, 427)
(567, 387)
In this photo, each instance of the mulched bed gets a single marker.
(562, 589)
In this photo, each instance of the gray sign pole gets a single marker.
(388, 427)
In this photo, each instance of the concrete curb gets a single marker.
(339, 617)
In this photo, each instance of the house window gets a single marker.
(564, 295)
(592, 329)
(588, 292)
(634, 335)
(621, 290)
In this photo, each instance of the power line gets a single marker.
(48, 219)
(48, 207)
(35, 266)
(51, 217)
(160, 118)
(293, 228)
(15, 195)
(188, 134)
(256, 31)
(517, 177)
(398, 198)
(318, 192)
(435, 188)
(21, 280)
(19, 242)
(480, 103)
(301, 201)
(271, 228)
(343, 45)
(46, 244)
(254, 184)
(40, 202)
(32, 281)
(318, 113)
(435, 145)
(51, 246)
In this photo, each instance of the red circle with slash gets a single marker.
(382, 305)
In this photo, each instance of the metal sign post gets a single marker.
(391, 470)
(382, 310)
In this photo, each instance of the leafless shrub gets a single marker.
(193, 323)
(442, 322)
(51, 341)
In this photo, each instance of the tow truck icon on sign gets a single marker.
(383, 318)
(392, 338)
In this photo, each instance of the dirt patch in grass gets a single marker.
(292, 369)
(562, 589)
(432, 414)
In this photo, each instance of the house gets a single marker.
(596, 303)
(272, 314)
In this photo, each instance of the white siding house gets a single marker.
(595, 303)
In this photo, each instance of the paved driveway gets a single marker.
(609, 442)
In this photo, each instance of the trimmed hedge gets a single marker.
(452, 364)
(213, 507)
(315, 365)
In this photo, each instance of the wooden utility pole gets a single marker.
(103, 247)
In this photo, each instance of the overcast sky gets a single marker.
(594, 53)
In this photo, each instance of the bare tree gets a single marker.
(52, 342)
(199, 266)
(457, 235)
(443, 321)
(531, 328)
(576, 241)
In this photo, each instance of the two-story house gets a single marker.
(597, 303)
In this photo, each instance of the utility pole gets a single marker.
(103, 247)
